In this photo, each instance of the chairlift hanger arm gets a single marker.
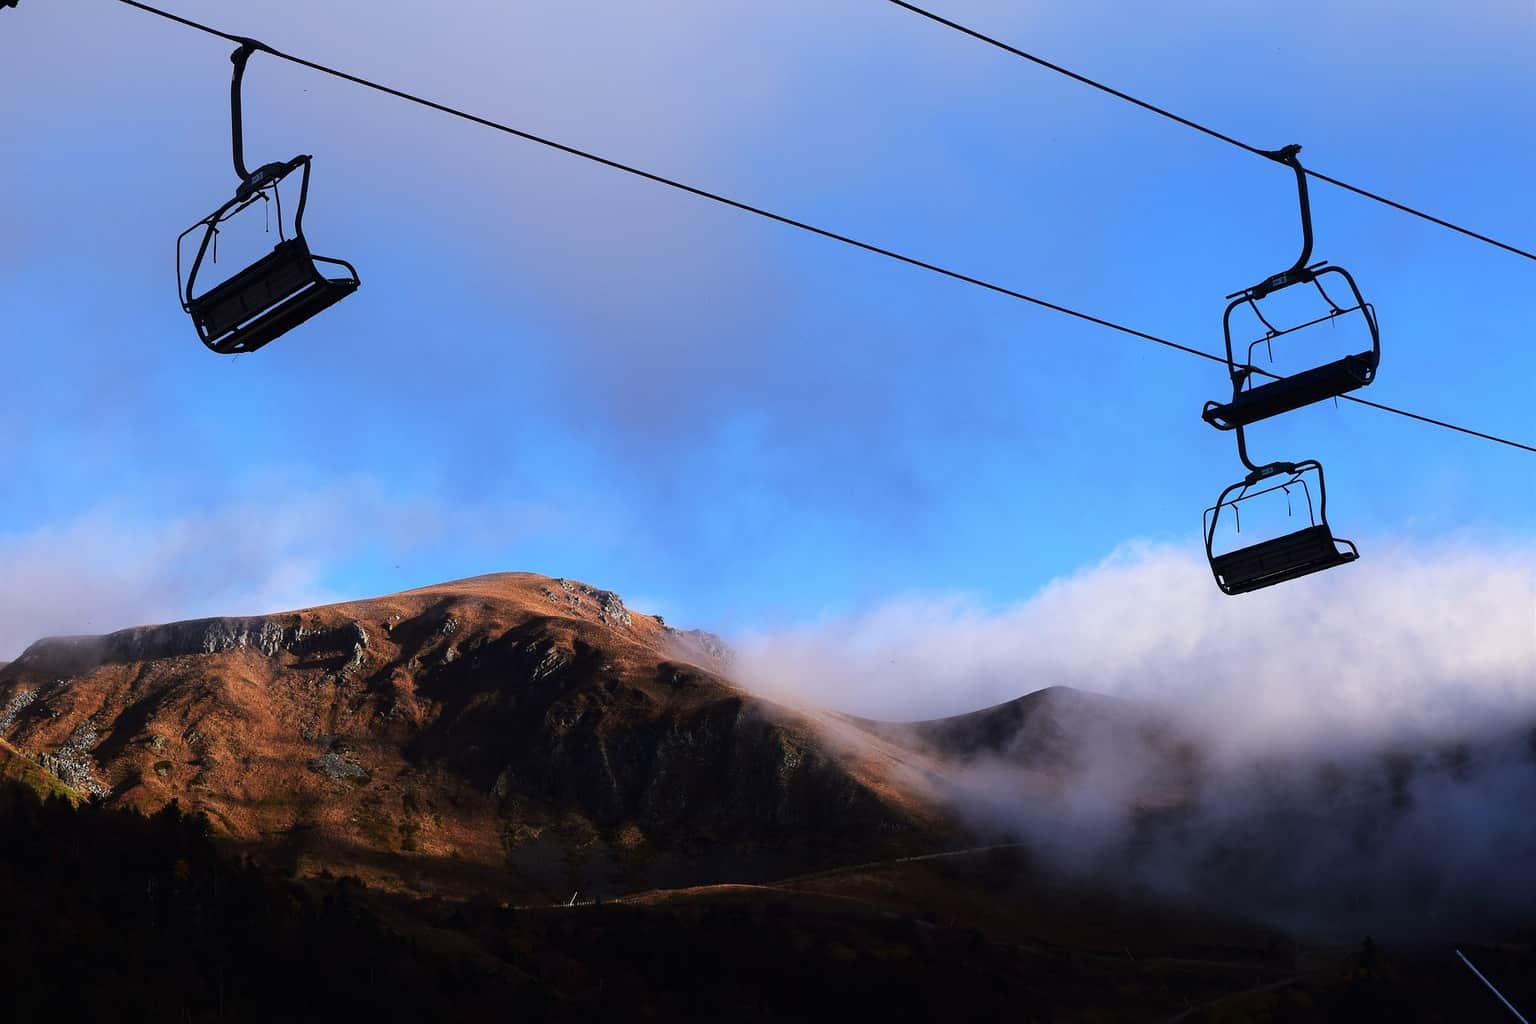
(1297, 271)
(239, 59)
(266, 174)
(1253, 470)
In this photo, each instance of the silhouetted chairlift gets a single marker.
(282, 289)
(1302, 552)
(1252, 402)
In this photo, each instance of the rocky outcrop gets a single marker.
(73, 765)
(18, 703)
(608, 606)
(270, 636)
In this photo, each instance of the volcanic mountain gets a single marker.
(510, 733)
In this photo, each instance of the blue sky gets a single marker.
(555, 368)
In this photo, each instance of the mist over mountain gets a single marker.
(1343, 757)
(1405, 840)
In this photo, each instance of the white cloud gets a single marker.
(1408, 640)
(114, 567)
(1354, 752)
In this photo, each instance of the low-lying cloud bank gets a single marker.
(1409, 640)
(1351, 752)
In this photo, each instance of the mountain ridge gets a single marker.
(509, 729)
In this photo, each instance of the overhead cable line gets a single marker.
(1205, 129)
(737, 204)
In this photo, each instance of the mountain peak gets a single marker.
(461, 736)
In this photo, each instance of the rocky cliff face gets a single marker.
(514, 731)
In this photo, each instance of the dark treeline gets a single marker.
(113, 916)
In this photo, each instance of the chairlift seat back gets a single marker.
(1273, 398)
(267, 299)
(1288, 557)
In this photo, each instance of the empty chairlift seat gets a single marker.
(1252, 402)
(270, 297)
(1306, 551)
(281, 289)
(1301, 552)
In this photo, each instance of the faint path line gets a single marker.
(869, 865)
(782, 882)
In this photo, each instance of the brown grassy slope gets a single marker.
(510, 732)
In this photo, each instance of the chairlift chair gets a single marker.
(1253, 402)
(282, 289)
(1301, 552)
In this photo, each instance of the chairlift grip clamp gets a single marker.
(1284, 155)
(1265, 472)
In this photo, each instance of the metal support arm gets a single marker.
(250, 182)
(1287, 156)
